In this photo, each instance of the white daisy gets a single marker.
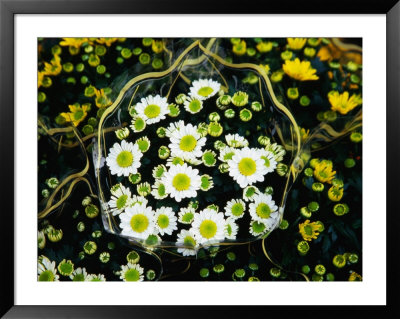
(159, 191)
(231, 228)
(204, 88)
(120, 199)
(47, 270)
(124, 158)
(165, 220)
(181, 181)
(235, 208)
(152, 108)
(208, 226)
(186, 215)
(193, 105)
(173, 127)
(269, 160)
(188, 243)
(235, 140)
(264, 210)
(131, 272)
(186, 142)
(137, 221)
(246, 167)
(226, 153)
(79, 274)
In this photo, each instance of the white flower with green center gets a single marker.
(204, 89)
(235, 208)
(186, 142)
(277, 150)
(137, 221)
(264, 210)
(99, 277)
(209, 158)
(47, 270)
(269, 160)
(193, 105)
(246, 167)
(181, 181)
(187, 243)
(165, 220)
(172, 161)
(235, 140)
(231, 229)
(159, 191)
(257, 228)
(124, 158)
(186, 215)
(138, 200)
(79, 274)
(226, 153)
(131, 272)
(152, 109)
(206, 182)
(159, 171)
(143, 144)
(208, 226)
(249, 192)
(121, 198)
(173, 127)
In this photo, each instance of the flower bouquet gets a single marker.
(204, 155)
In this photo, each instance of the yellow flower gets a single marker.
(102, 99)
(264, 46)
(342, 103)
(40, 78)
(106, 41)
(335, 193)
(53, 68)
(73, 42)
(296, 43)
(355, 277)
(157, 46)
(301, 71)
(265, 67)
(77, 114)
(323, 172)
(309, 230)
(239, 48)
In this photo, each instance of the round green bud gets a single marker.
(251, 52)
(60, 120)
(81, 255)
(204, 272)
(144, 58)
(339, 261)
(245, 115)
(100, 112)
(340, 209)
(111, 245)
(231, 256)
(254, 278)
(330, 116)
(309, 52)
(356, 137)
(277, 76)
(47, 82)
(97, 234)
(214, 116)
(157, 63)
(305, 100)
(269, 190)
(284, 224)
(282, 169)
(147, 42)
(334, 65)
(87, 129)
(354, 78)
(100, 50)
(104, 257)
(320, 269)
(68, 67)
(349, 163)
(90, 247)
(150, 274)
(88, 48)
(305, 269)
(309, 172)
(101, 69)
(80, 227)
(353, 258)
(240, 273)
(305, 212)
(223, 168)
(45, 193)
(80, 67)
(229, 113)
(253, 267)
(91, 211)
(84, 79)
(56, 50)
(316, 277)
(321, 225)
(137, 51)
(71, 80)
(133, 257)
(181, 98)
(292, 93)
(163, 152)
(275, 272)
(303, 247)
(313, 207)
(256, 106)
(126, 53)
(135, 178)
(330, 277)
(90, 91)
(219, 268)
(317, 187)
(286, 55)
(119, 60)
(321, 116)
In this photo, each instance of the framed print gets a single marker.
(231, 156)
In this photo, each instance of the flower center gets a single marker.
(208, 229)
(229, 229)
(205, 91)
(125, 159)
(308, 230)
(66, 268)
(237, 209)
(187, 217)
(161, 190)
(189, 241)
(139, 223)
(181, 182)
(79, 277)
(132, 275)
(263, 210)
(163, 221)
(152, 111)
(247, 166)
(195, 105)
(188, 143)
(46, 275)
(266, 161)
(78, 114)
(258, 227)
(121, 201)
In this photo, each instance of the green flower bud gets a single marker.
(313, 207)
(305, 100)
(90, 247)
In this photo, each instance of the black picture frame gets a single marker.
(10, 8)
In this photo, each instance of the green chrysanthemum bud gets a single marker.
(104, 257)
(150, 274)
(218, 145)
(204, 272)
(303, 247)
(97, 234)
(229, 113)
(80, 227)
(161, 132)
(349, 163)
(275, 272)
(284, 224)
(339, 261)
(330, 277)
(340, 209)
(90, 247)
(91, 211)
(282, 169)
(214, 116)
(223, 101)
(219, 268)
(144, 58)
(309, 52)
(133, 257)
(45, 193)
(256, 106)
(292, 93)
(240, 273)
(305, 269)
(320, 269)
(52, 182)
(231, 256)
(215, 129)
(135, 178)
(174, 110)
(181, 98)
(163, 152)
(240, 99)
(305, 212)
(317, 187)
(223, 168)
(55, 235)
(122, 133)
(305, 100)
(245, 115)
(313, 207)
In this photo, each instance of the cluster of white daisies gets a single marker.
(179, 179)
